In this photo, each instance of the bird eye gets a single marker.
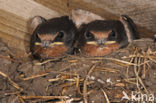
(89, 35)
(112, 34)
(60, 34)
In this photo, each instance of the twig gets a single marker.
(44, 97)
(7, 57)
(47, 61)
(46, 73)
(122, 61)
(107, 70)
(38, 75)
(106, 97)
(12, 82)
(20, 98)
(85, 84)
(139, 80)
(152, 59)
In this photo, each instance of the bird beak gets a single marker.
(109, 42)
(104, 43)
(91, 42)
(47, 44)
(56, 43)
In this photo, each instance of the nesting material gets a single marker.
(79, 78)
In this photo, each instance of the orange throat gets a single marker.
(96, 50)
(50, 52)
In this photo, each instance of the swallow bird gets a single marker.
(52, 38)
(100, 37)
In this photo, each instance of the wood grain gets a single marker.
(13, 30)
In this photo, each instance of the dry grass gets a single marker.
(138, 62)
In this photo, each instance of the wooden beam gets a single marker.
(13, 25)
(12, 17)
(13, 30)
(55, 5)
(15, 42)
(27, 8)
(64, 6)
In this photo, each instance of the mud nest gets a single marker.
(80, 79)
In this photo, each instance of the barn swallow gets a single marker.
(102, 37)
(52, 38)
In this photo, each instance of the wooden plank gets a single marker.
(14, 42)
(27, 8)
(64, 6)
(13, 24)
(13, 17)
(61, 7)
(54, 6)
(13, 32)
(142, 11)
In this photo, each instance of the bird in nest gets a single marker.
(51, 38)
(99, 37)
